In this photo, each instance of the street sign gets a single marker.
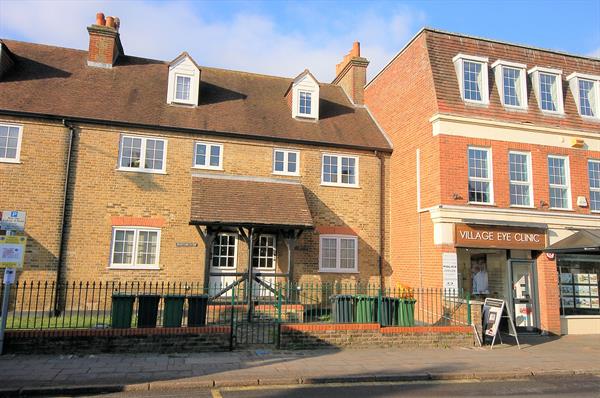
(9, 276)
(12, 220)
(12, 251)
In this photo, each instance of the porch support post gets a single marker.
(250, 276)
(208, 237)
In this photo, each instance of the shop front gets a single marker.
(578, 266)
(500, 262)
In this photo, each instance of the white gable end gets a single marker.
(184, 82)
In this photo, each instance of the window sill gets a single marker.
(561, 209)
(482, 204)
(135, 267)
(553, 114)
(338, 271)
(581, 316)
(512, 108)
(11, 161)
(479, 104)
(593, 119)
(326, 184)
(276, 173)
(207, 168)
(145, 171)
(522, 207)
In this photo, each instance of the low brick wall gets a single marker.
(94, 341)
(372, 335)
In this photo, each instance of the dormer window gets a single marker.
(511, 83)
(304, 92)
(305, 103)
(472, 74)
(182, 91)
(547, 84)
(184, 81)
(586, 91)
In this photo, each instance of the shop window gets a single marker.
(483, 272)
(579, 283)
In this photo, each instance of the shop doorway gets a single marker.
(523, 297)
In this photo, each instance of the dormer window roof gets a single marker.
(472, 74)
(586, 91)
(184, 81)
(511, 80)
(304, 91)
(547, 85)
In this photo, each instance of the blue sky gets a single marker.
(285, 37)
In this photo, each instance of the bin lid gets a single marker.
(124, 295)
(174, 296)
(194, 296)
(342, 296)
(149, 295)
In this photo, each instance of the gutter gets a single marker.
(62, 245)
(191, 130)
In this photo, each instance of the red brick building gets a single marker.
(495, 174)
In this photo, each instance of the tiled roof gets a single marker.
(442, 47)
(57, 81)
(228, 200)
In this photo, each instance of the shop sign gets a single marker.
(499, 237)
(450, 270)
(12, 251)
(12, 220)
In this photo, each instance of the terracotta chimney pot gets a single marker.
(110, 22)
(100, 19)
(356, 49)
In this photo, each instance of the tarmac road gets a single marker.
(575, 386)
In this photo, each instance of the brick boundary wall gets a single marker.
(94, 341)
(372, 335)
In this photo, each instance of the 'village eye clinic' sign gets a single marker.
(499, 237)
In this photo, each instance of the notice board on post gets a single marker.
(493, 312)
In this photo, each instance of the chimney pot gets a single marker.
(110, 22)
(351, 74)
(100, 19)
(117, 23)
(356, 49)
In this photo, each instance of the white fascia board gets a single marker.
(509, 64)
(544, 70)
(582, 76)
(470, 58)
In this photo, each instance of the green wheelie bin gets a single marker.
(389, 311)
(122, 310)
(406, 313)
(197, 306)
(366, 308)
(147, 310)
(342, 308)
(173, 314)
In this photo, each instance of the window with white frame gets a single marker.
(511, 83)
(586, 91)
(338, 253)
(521, 192)
(286, 162)
(10, 143)
(134, 247)
(182, 88)
(547, 85)
(472, 77)
(480, 176)
(142, 154)
(305, 103)
(264, 254)
(558, 178)
(224, 251)
(208, 156)
(340, 170)
(594, 176)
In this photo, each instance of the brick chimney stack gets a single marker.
(351, 74)
(105, 43)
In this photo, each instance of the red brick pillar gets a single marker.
(548, 294)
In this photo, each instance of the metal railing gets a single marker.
(94, 305)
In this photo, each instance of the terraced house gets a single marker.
(495, 174)
(138, 169)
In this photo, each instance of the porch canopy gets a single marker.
(582, 241)
(249, 204)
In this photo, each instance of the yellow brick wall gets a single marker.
(101, 191)
(36, 186)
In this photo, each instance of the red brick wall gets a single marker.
(402, 99)
(454, 173)
(548, 294)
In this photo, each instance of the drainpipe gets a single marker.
(62, 243)
(382, 236)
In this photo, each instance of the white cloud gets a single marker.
(246, 40)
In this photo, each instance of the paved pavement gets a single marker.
(574, 386)
(538, 356)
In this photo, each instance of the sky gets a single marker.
(285, 37)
